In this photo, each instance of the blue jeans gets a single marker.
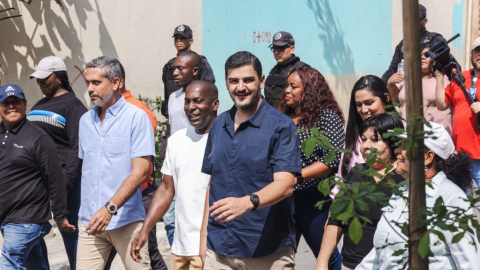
(476, 171)
(169, 220)
(70, 240)
(310, 222)
(21, 248)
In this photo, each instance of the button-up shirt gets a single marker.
(107, 150)
(243, 162)
(389, 238)
(30, 171)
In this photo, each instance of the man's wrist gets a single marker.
(248, 203)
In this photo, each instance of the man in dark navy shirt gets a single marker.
(252, 156)
(30, 172)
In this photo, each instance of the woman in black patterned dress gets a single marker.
(308, 100)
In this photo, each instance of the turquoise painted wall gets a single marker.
(336, 37)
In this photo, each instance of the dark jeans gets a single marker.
(21, 246)
(310, 222)
(156, 259)
(70, 240)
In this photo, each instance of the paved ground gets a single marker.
(58, 258)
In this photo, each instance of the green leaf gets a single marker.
(324, 187)
(367, 220)
(438, 204)
(440, 235)
(355, 230)
(326, 143)
(457, 237)
(330, 156)
(345, 216)
(338, 206)
(424, 246)
(362, 205)
(308, 146)
(314, 131)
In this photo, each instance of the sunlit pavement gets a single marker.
(58, 258)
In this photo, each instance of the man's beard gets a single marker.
(475, 65)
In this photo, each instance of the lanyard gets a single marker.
(473, 90)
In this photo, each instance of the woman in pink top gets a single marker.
(369, 97)
(430, 111)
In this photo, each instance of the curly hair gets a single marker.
(456, 168)
(316, 97)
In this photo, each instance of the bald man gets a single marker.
(186, 70)
(182, 177)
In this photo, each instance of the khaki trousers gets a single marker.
(93, 250)
(282, 259)
(186, 262)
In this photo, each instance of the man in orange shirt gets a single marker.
(148, 187)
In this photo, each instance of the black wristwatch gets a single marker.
(300, 180)
(111, 208)
(255, 201)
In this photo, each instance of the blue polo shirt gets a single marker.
(243, 162)
(107, 150)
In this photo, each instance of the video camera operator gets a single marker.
(465, 129)
(425, 38)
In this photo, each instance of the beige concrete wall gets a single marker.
(138, 33)
(439, 15)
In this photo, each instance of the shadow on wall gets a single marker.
(62, 35)
(337, 53)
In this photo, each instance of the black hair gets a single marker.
(456, 168)
(381, 124)
(379, 89)
(64, 82)
(194, 57)
(243, 58)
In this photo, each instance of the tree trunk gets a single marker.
(413, 87)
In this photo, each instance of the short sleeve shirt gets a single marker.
(465, 133)
(243, 162)
(107, 151)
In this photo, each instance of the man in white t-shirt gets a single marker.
(182, 177)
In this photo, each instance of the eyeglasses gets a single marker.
(279, 48)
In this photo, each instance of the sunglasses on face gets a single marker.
(279, 48)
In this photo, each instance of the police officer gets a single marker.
(283, 48)
(183, 40)
(425, 38)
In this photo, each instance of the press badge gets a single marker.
(473, 90)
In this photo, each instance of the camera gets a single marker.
(444, 61)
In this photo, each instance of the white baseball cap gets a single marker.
(439, 141)
(476, 43)
(47, 66)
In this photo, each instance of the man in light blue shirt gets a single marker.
(116, 145)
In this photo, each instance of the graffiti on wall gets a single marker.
(81, 73)
(262, 37)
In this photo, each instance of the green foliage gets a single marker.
(360, 196)
(155, 105)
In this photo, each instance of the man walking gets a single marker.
(283, 48)
(183, 177)
(186, 70)
(30, 173)
(148, 187)
(116, 145)
(252, 156)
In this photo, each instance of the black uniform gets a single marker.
(425, 37)
(205, 74)
(275, 82)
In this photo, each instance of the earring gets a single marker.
(426, 168)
